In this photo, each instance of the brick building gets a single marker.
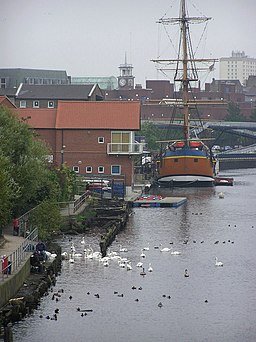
(93, 138)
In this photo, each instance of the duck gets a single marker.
(139, 264)
(142, 255)
(143, 273)
(146, 248)
(121, 264)
(105, 263)
(160, 305)
(150, 268)
(218, 263)
(186, 273)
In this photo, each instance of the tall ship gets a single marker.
(187, 161)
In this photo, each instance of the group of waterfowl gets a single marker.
(123, 262)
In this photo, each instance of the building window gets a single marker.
(115, 169)
(50, 104)
(88, 169)
(76, 169)
(196, 160)
(35, 104)
(23, 104)
(3, 83)
(176, 160)
(101, 140)
(100, 169)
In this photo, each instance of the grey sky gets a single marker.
(90, 38)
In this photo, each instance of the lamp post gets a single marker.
(62, 154)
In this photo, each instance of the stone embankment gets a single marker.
(28, 297)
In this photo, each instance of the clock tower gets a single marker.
(126, 79)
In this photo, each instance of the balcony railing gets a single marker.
(124, 148)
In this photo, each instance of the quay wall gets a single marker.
(10, 286)
(230, 164)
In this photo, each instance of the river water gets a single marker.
(212, 304)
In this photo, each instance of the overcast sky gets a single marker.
(90, 38)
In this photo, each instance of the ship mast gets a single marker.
(186, 59)
(185, 80)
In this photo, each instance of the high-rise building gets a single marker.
(237, 67)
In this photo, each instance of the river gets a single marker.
(212, 304)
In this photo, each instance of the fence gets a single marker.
(11, 262)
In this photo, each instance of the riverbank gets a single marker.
(28, 296)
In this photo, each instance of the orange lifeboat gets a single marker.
(195, 144)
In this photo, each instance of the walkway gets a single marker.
(11, 242)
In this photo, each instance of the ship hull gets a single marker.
(185, 167)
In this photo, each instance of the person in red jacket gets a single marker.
(16, 226)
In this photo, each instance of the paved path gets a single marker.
(11, 242)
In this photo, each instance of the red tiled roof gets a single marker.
(38, 118)
(98, 115)
(5, 101)
(84, 115)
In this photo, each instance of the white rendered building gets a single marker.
(237, 67)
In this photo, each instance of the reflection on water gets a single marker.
(212, 304)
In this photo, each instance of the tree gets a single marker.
(47, 218)
(152, 134)
(26, 177)
(7, 192)
(27, 164)
(253, 115)
(234, 113)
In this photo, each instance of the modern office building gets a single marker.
(237, 67)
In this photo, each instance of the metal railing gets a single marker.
(80, 201)
(11, 262)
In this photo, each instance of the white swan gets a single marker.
(64, 256)
(71, 258)
(83, 240)
(175, 253)
(218, 263)
(150, 268)
(129, 266)
(123, 249)
(165, 249)
(78, 255)
(221, 195)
